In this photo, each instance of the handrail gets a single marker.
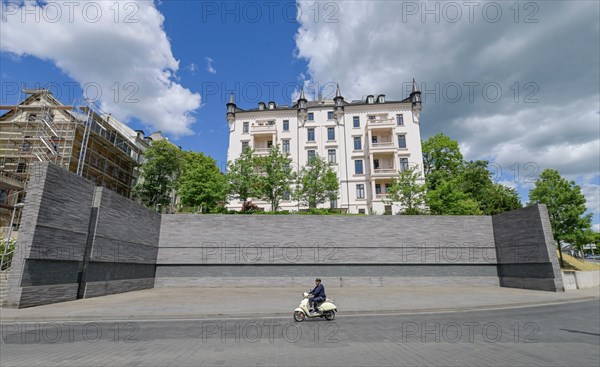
(11, 175)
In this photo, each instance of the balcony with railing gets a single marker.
(378, 121)
(382, 188)
(382, 143)
(262, 151)
(383, 165)
(263, 127)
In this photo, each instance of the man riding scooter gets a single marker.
(318, 293)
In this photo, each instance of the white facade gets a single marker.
(381, 136)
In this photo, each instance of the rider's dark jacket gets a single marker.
(318, 291)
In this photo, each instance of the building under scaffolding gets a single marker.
(79, 138)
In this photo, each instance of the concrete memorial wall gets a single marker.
(80, 241)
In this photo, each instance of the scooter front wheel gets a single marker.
(299, 316)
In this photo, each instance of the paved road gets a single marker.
(553, 335)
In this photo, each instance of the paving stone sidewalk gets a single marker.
(198, 303)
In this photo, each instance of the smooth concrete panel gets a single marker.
(306, 282)
(266, 254)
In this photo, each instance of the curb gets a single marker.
(234, 316)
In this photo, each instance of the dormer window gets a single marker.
(261, 106)
(381, 99)
(370, 99)
(271, 105)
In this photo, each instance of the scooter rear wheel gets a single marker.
(329, 315)
(299, 316)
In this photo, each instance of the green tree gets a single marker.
(159, 172)
(242, 178)
(201, 184)
(408, 190)
(274, 177)
(499, 199)
(316, 183)
(449, 199)
(566, 206)
(441, 159)
(583, 237)
(475, 179)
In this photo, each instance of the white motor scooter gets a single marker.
(327, 309)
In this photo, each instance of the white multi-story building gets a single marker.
(369, 141)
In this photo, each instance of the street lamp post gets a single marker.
(8, 237)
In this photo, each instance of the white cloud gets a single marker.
(100, 47)
(192, 68)
(374, 47)
(209, 66)
(592, 196)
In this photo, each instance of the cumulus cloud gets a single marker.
(98, 46)
(497, 84)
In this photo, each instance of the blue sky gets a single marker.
(546, 115)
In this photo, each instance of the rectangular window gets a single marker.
(244, 146)
(311, 134)
(286, 125)
(360, 191)
(375, 163)
(285, 146)
(286, 195)
(330, 134)
(361, 211)
(372, 117)
(356, 122)
(31, 117)
(374, 139)
(329, 115)
(333, 203)
(377, 189)
(331, 156)
(358, 167)
(403, 164)
(387, 188)
(401, 141)
(357, 143)
(311, 156)
(246, 127)
(311, 116)
(399, 119)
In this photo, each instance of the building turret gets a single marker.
(415, 98)
(231, 107)
(302, 107)
(338, 103)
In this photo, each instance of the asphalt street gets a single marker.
(553, 335)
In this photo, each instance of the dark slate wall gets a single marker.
(525, 250)
(123, 254)
(78, 239)
(52, 238)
